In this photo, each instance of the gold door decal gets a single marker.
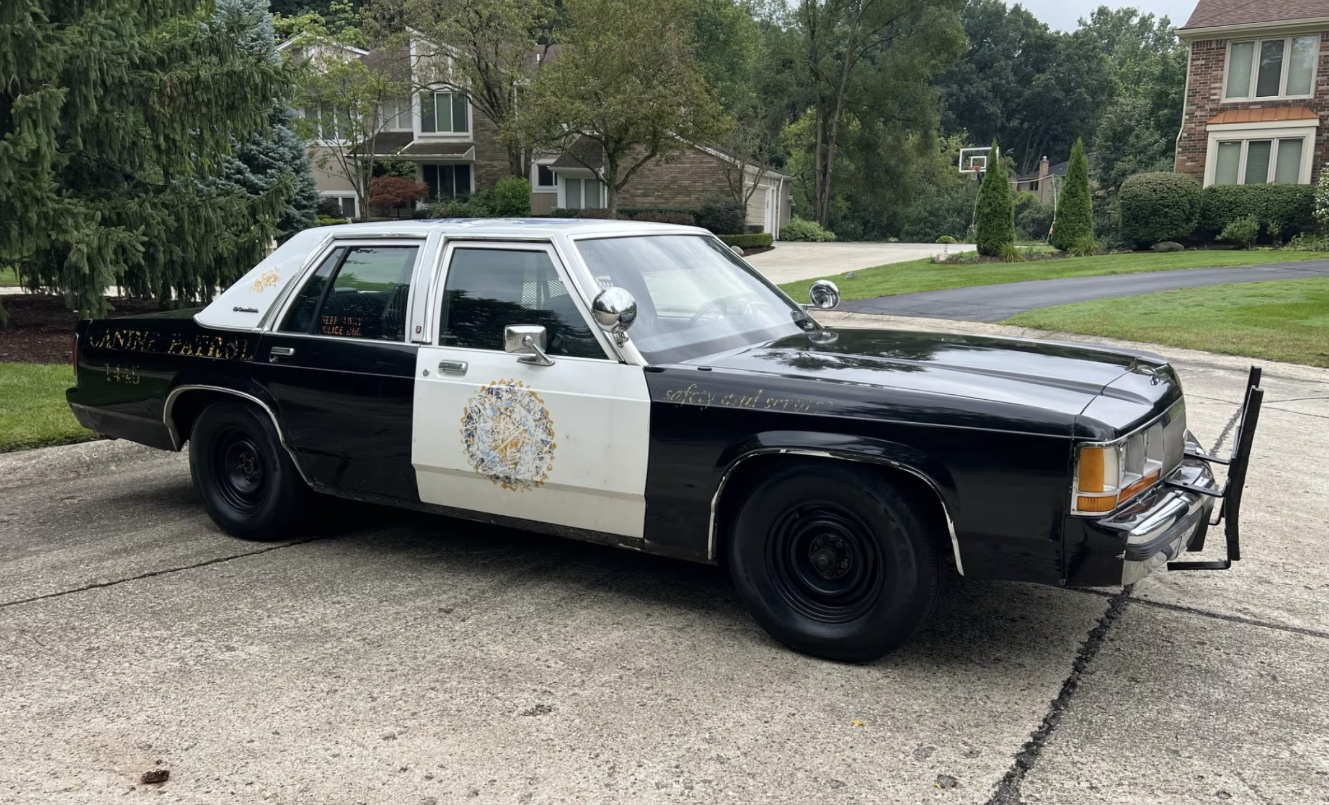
(508, 435)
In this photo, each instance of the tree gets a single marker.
(482, 48)
(996, 209)
(274, 159)
(629, 84)
(851, 47)
(394, 192)
(344, 95)
(1075, 215)
(115, 116)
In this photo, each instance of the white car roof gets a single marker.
(247, 303)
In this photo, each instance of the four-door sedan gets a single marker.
(641, 386)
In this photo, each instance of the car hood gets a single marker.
(1058, 377)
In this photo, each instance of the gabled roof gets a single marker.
(1232, 13)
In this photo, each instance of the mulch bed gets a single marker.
(41, 327)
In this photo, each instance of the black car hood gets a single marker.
(1055, 376)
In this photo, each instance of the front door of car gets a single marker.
(500, 433)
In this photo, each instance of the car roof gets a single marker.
(506, 227)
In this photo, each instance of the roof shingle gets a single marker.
(1222, 13)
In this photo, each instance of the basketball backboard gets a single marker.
(975, 160)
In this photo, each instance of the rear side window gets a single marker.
(358, 292)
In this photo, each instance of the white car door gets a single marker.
(564, 444)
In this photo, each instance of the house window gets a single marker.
(582, 194)
(1272, 68)
(347, 203)
(328, 123)
(395, 115)
(444, 113)
(544, 178)
(1261, 161)
(447, 181)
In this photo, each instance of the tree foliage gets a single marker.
(1157, 207)
(996, 208)
(629, 82)
(115, 120)
(1075, 215)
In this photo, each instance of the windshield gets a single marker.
(694, 296)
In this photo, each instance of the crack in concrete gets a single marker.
(1008, 790)
(152, 574)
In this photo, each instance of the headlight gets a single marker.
(1108, 475)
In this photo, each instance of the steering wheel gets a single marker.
(722, 305)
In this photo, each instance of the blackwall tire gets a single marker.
(834, 561)
(247, 481)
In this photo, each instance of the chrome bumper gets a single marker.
(1164, 525)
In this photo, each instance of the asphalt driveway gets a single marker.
(1001, 302)
(408, 659)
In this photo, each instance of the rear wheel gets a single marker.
(248, 482)
(834, 561)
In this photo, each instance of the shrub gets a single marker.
(511, 197)
(599, 215)
(1168, 246)
(1075, 217)
(1289, 208)
(1085, 247)
(947, 239)
(330, 220)
(1243, 232)
(1322, 201)
(1010, 253)
(563, 212)
(723, 216)
(665, 217)
(395, 192)
(1159, 206)
(799, 229)
(330, 207)
(1309, 243)
(761, 240)
(1033, 218)
(996, 213)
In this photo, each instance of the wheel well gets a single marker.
(189, 404)
(751, 472)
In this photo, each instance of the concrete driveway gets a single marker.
(790, 262)
(409, 659)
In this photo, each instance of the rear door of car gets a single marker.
(340, 367)
(563, 444)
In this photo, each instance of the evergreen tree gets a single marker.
(996, 209)
(1075, 213)
(261, 163)
(115, 118)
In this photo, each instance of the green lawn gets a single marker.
(923, 275)
(8, 277)
(1287, 320)
(33, 412)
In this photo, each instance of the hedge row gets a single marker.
(721, 216)
(1158, 207)
(760, 240)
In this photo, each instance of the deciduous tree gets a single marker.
(629, 82)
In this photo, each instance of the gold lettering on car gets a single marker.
(752, 402)
(266, 280)
(120, 373)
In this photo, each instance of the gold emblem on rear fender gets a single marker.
(266, 280)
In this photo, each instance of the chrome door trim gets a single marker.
(178, 443)
(715, 501)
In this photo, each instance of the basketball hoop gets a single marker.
(975, 160)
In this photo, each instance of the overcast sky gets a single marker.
(1064, 14)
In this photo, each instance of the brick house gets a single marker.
(457, 152)
(1256, 90)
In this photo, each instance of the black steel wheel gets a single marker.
(248, 482)
(834, 561)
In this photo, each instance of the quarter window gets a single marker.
(358, 292)
(490, 289)
(1260, 161)
(444, 113)
(1272, 68)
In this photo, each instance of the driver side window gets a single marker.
(490, 289)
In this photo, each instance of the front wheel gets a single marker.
(834, 561)
(248, 483)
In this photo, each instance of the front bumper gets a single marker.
(1173, 517)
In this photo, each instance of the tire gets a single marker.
(248, 482)
(833, 561)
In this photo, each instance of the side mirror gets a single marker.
(615, 311)
(528, 340)
(825, 295)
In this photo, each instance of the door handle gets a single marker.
(453, 367)
(279, 352)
